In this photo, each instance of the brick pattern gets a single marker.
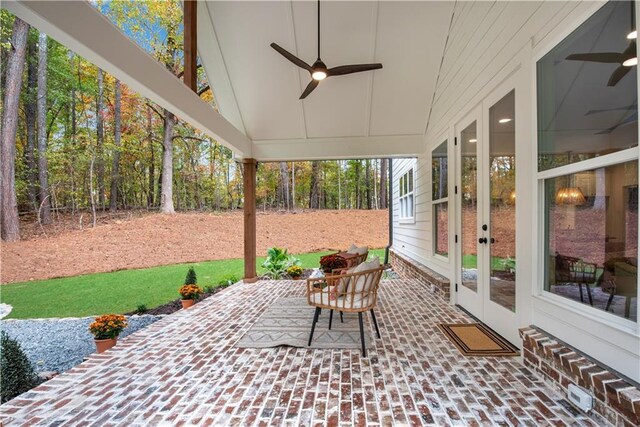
(616, 399)
(411, 269)
(185, 370)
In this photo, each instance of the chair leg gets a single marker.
(627, 307)
(313, 325)
(364, 350)
(589, 294)
(330, 318)
(341, 318)
(581, 297)
(610, 300)
(375, 323)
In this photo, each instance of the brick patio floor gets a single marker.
(185, 370)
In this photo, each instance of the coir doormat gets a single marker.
(475, 339)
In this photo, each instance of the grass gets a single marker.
(122, 291)
(471, 261)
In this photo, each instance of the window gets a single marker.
(406, 195)
(439, 199)
(587, 110)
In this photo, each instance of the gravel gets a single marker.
(61, 344)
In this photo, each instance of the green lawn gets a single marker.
(121, 291)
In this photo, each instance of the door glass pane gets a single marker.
(441, 228)
(469, 196)
(502, 185)
(439, 172)
(591, 227)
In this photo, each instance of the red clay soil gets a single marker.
(141, 241)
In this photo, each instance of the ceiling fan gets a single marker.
(626, 59)
(319, 70)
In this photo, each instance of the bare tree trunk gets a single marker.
(100, 139)
(45, 203)
(293, 185)
(367, 180)
(283, 187)
(166, 197)
(92, 197)
(10, 225)
(30, 122)
(152, 163)
(115, 173)
(314, 193)
(358, 196)
(383, 183)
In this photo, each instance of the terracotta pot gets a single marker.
(186, 303)
(104, 345)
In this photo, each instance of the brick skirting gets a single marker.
(617, 400)
(410, 269)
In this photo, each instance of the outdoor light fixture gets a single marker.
(505, 120)
(632, 35)
(630, 62)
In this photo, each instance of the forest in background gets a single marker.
(75, 139)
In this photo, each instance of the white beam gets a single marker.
(83, 29)
(373, 147)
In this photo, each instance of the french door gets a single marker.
(486, 234)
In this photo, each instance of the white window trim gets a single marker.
(612, 340)
(409, 195)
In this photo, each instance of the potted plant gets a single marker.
(328, 263)
(105, 330)
(277, 262)
(295, 271)
(190, 291)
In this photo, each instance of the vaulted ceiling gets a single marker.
(257, 89)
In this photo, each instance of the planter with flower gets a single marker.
(190, 291)
(295, 271)
(106, 329)
(328, 263)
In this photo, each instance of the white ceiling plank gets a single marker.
(83, 29)
(339, 148)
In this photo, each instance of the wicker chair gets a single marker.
(355, 292)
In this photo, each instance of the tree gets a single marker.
(10, 226)
(166, 195)
(117, 119)
(41, 120)
(383, 183)
(314, 194)
(100, 138)
(30, 123)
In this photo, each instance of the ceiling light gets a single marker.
(630, 62)
(319, 75)
(505, 120)
(633, 35)
(473, 140)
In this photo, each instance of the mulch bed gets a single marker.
(175, 305)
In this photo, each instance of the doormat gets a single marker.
(288, 322)
(475, 339)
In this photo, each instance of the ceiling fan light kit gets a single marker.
(319, 70)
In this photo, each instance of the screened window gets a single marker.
(440, 201)
(587, 109)
(406, 195)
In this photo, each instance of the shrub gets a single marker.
(108, 326)
(16, 371)
(277, 262)
(190, 291)
(228, 280)
(141, 309)
(191, 278)
(328, 263)
(294, 271)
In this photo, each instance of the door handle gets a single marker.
(492, 240)
(482, 240)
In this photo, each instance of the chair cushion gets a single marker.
(360, 250)
(363, 283)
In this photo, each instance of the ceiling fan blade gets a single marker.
(630, 51)
(299, 62)
(618, 74)
(310, 87)
(349, 69)
(604, 110)
(606, 57)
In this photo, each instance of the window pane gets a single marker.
(411, 180)
(439, 169)
(592, 238)
(587, 104)
(401, 186)
(441, 228)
